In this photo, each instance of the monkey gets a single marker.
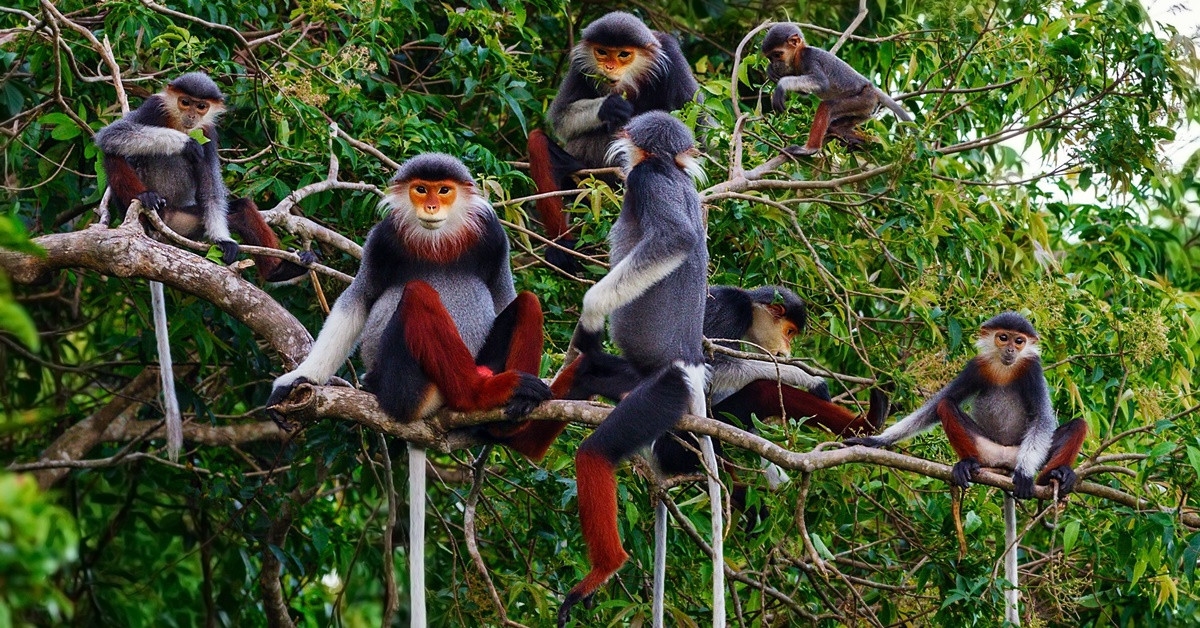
(847, 97)
(151, 154)
(439, 320)
(1011, 423)
(769, 317)
(654, 297)
(620, 68)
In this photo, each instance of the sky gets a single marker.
(1184, 15)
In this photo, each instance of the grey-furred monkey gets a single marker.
(1010, 422)
(149, 155)
(619, 69)
(847, 97)
(654, 298)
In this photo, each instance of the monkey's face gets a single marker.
(432, 201)
(614, 63)
(772, 330)
(189, 112)
(1007, 346)
(783, 58)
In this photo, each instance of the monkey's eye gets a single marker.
(444, 190)
(1002, 337)
(421, 189)
(184, 102)
(1020, 340)
(624, 54)
(601, 52)
(790, 332)
(201, 106)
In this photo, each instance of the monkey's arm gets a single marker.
(342, 329)
(655, 256)
(576, 109)
(728, 375)
(925, 417)
(213, 198)
(129, 138)
(500, 284)
(1035, 446)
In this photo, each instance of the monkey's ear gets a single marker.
(795, 40)
(777, 310)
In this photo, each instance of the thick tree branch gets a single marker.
(128, 252)
(448, 431)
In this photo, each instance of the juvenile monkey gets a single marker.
(620, 69)
(1011, 423)
(150, 155)
(847, 97)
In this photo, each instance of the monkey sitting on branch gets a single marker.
(847, 97)
(1011, 423)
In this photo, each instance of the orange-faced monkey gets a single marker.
(1011, 423)
(620, 68)
(847, 97)
(149, 155)
(440, 323)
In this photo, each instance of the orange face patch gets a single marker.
(614, 62)
(431, 199)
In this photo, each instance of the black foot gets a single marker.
(152, 200)
(963, 470)
(562, 259)
(308, 258)
(564, 611)
(229, 251)
(1066, 479)
(801, 151)
(530, 393)
(1022, 486)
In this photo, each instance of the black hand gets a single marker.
(229, 251)
(278, 395)
(779, 100)
(193, 151)
(152, 200)
(1066, 479)
(586, 341)
(963, 470)
(1022, 485)
(614, 112)
(529, 394)
(308, 258)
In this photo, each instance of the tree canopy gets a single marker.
(1034, 178)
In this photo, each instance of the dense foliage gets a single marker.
(1032, 179)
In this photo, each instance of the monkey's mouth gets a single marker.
(432, 223)
(1007, 359)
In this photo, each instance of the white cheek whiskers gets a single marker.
(466, 217)
(624, 153)
(689, 163)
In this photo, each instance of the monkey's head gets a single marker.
(435, 206)
(656, 134)
(1005, 342)
(620, 48)
(778, 317)
(193, 101)
(781, 45)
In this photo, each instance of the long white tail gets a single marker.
(416, 535)
(718, 531)
(158, 305)
(1012, 611)
(660, 563)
